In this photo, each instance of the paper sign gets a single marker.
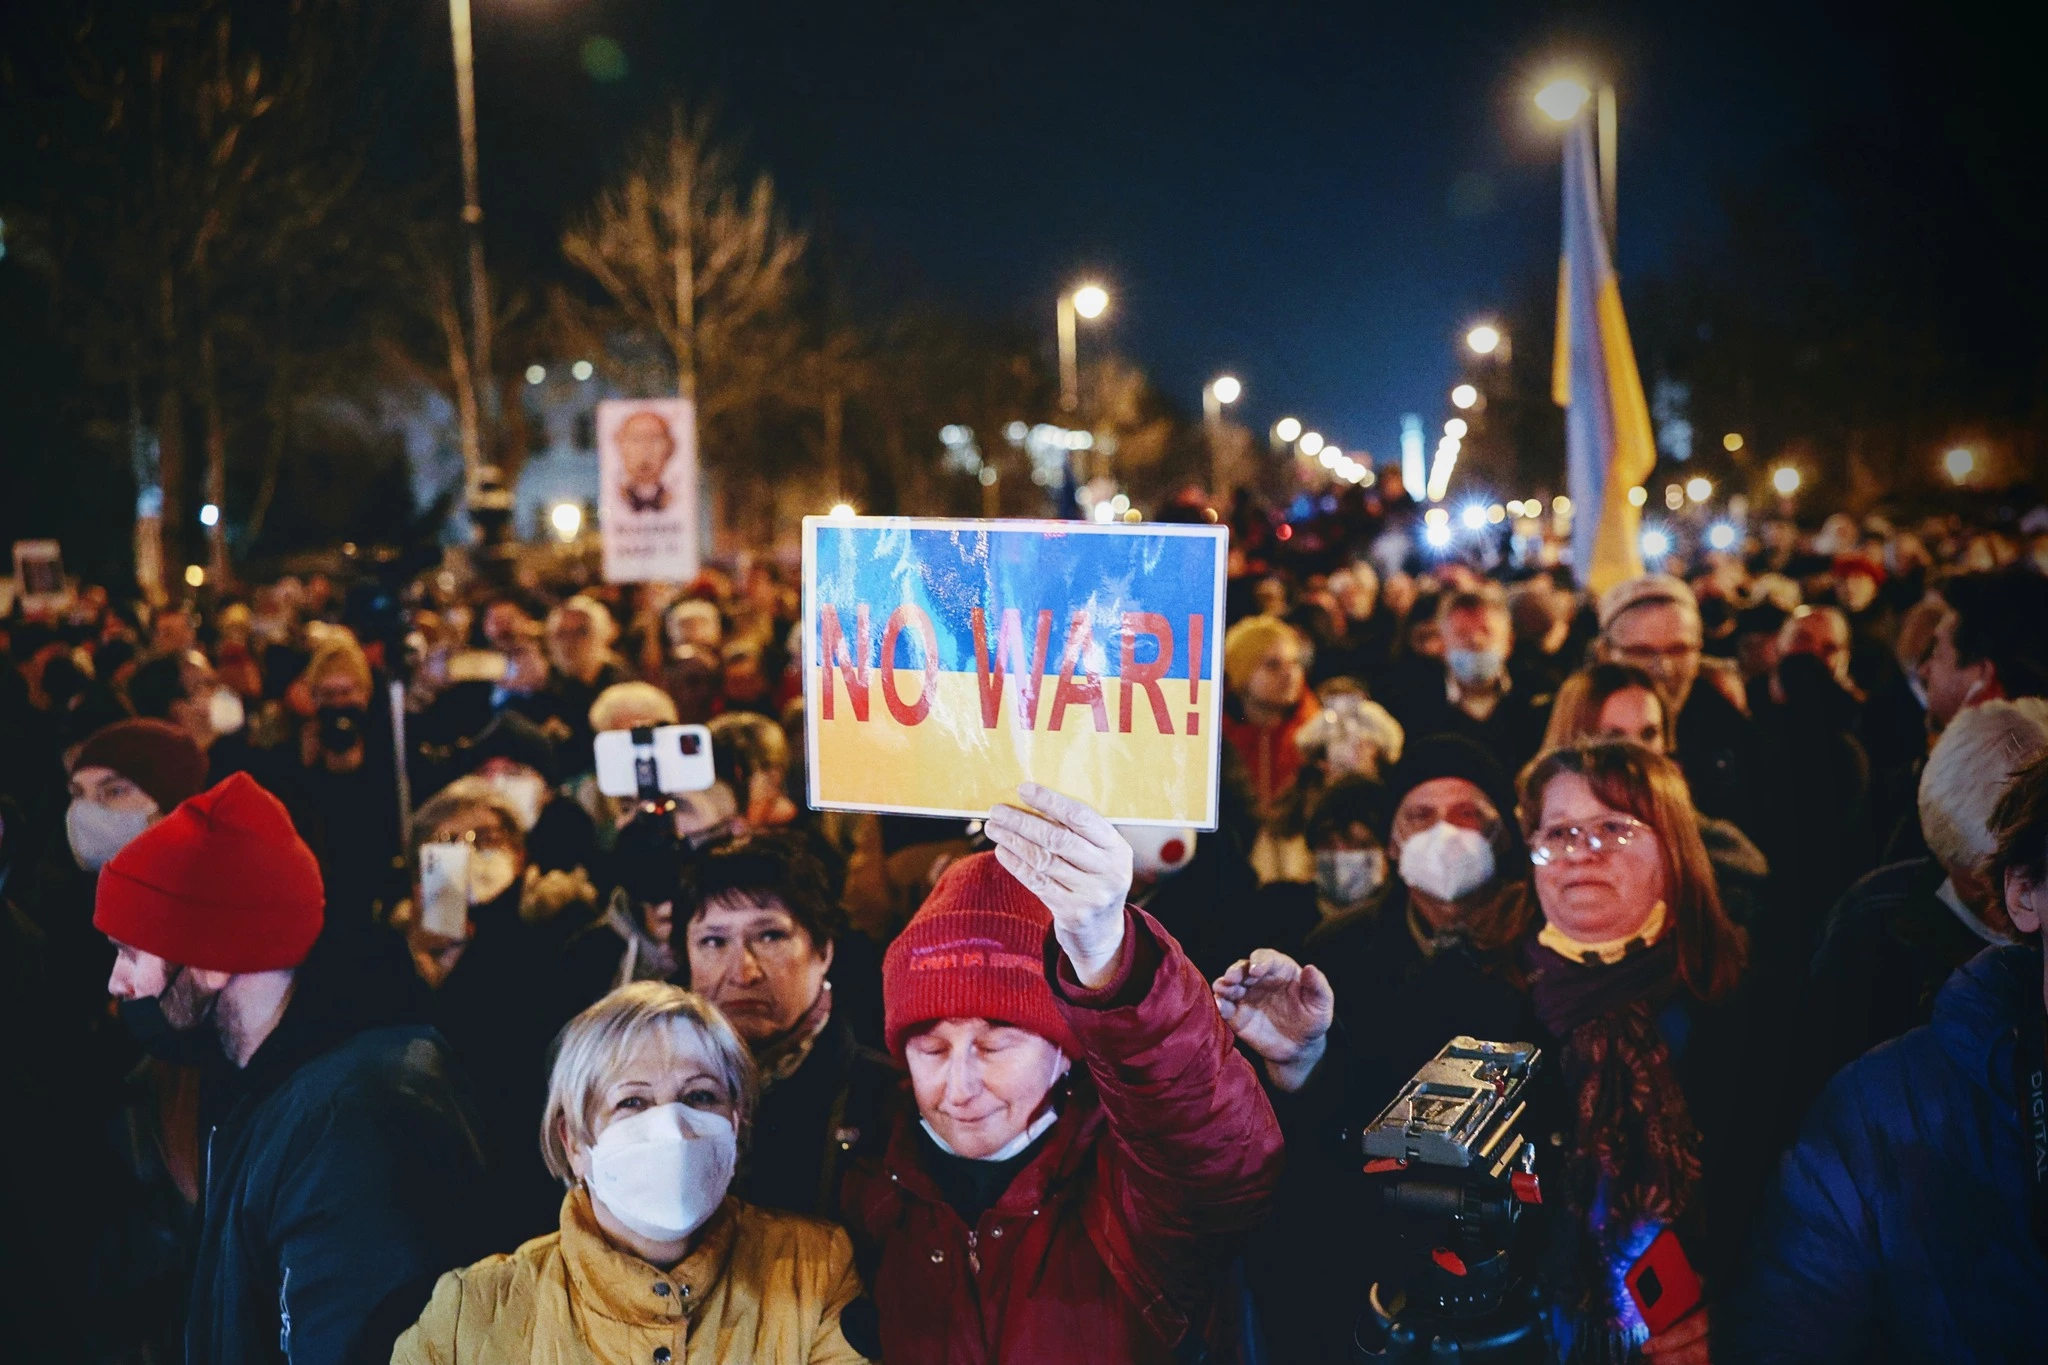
(947, 661)
(647, 505)
(39, 576)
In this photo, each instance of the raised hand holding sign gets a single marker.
(1075, 861)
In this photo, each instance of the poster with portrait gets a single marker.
(647, 501)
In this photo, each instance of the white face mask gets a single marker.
(491, 871)
(662, 1172)
(97, 833)
(526, 793)
(1346, 876)
(225, 712)
(1447, 861)
(1157, 851)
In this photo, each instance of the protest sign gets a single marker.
(39, 584)
(947, 661)
(647, 501)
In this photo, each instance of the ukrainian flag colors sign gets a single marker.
(947, 661)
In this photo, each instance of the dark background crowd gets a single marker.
(1829, 730)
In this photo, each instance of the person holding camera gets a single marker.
(1085, 1143)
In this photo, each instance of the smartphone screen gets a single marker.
(444, 889)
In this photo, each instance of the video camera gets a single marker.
(1453, 1169)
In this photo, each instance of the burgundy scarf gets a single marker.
(1635, 1140)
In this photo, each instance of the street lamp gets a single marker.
(1785, 479)
(1457, 427)
(1562, 100)
(1311, 443)
(1288, 429)
(1216, 394)
(1226, 388)
(1699, 488)
(473, 234)
(1960, 464)
(1464, 396)
(1089, 301)
(1483, 339)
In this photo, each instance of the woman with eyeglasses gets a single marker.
(1668, 1114)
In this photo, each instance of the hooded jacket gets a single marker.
(1105, 1249)
(1898, 1230)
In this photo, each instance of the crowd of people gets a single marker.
(353, 1021)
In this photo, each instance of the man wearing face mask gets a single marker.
(1430, 956)
(124, 779)
(340, 1160)
(1474, 696)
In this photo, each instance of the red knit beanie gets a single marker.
(155, 755)
(223, 883)
(976, 950)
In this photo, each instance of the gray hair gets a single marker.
(460, 797)
(1972, 764)
(590, 1048)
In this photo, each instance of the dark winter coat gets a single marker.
(1108, 1245)
(815, 1122)
(1898, 1230)
(340, 1183)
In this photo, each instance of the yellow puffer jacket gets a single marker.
(761, 1288)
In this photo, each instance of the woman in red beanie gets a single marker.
(1085, 1138)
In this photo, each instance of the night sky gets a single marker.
(1317, 198)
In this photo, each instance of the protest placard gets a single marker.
(647, 500)
(39, 583)
(947, 661)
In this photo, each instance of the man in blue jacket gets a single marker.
(1911, 1221)
(341, 1161)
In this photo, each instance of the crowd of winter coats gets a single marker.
(352, 1021)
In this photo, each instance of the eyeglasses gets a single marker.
(1554, 843)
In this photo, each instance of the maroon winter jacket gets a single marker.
(1107, 1247)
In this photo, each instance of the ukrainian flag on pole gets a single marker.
(1609, 447)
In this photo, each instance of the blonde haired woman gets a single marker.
(654, 1261)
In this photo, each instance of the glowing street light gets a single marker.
(1960, 463)
(1456, 428)
(567, 519)
(1656, 543)
(1638, 495)
(1464, 396)
(1089, 301)
(1563, 98)
(1699, 488)
(1287, 429)
(1785, 479)
(1483, 339)
(1312, 443)
(209, 515)
(1226, 388)
(843, 511)
(1732, 442)
(195, 577)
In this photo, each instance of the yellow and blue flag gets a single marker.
(1608, 441)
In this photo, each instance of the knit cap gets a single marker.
(155, 755)
(976, 950)
(222, 884)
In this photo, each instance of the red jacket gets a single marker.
(1270, 758)
(1108, 1245)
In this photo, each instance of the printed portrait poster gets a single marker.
(947, 661)
(647, 504)
(39, 583)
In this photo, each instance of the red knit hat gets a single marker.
(223, 883)
(155, 755)
(976, 950)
